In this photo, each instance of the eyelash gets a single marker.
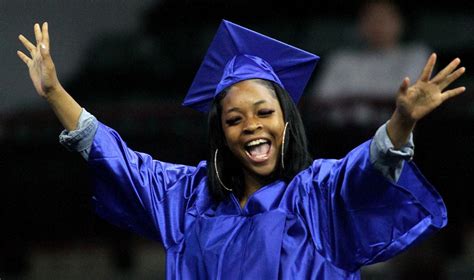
(263, 113)
(232, 121)
(266, 112)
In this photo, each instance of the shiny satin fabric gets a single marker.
(237, 53)
(245, 67)
(330, 220)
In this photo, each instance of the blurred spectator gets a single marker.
(359, 83)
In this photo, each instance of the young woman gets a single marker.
(259, 207)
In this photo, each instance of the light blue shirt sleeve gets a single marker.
(385, 158)
(80, 139)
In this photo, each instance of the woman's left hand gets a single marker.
(419, 99)
(416, 101)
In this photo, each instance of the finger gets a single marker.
(28, 45)
(404, 86)
(44, 51)
(453, 92)
(426, 73)
(23, 57)
(452, 77)
(446, 71)
(38, 35)
(45, 35)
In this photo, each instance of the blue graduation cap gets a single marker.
(237, 53)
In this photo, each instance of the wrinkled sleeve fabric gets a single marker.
(135, 192)
(357, 216)
(80, 139)
(385, 158)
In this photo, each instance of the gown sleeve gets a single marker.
(357, 216)
(132, 191)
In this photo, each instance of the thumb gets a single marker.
(404, 86)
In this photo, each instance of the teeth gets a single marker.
(256, 142)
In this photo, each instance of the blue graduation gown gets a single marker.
(331, 219)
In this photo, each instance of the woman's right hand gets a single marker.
(44, 78)
(40, 64)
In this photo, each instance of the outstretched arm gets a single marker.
(419, 99)
(43, 75)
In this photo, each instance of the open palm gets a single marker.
(416, 101)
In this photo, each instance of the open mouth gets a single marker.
(258, 150)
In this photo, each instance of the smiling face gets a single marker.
(253, 123)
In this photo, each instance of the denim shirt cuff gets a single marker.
(386, 158)
(80, 139)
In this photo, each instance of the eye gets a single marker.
(265, 112)
(233, 121)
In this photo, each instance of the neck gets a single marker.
(384, 45)
(253, 182)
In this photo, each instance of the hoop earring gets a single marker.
(217, 172)
(283, 147)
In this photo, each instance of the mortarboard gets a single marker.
(237, 53)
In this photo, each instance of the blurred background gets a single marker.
(130, 64)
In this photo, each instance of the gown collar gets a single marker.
(264, 199)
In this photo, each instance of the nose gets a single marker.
(251, 126)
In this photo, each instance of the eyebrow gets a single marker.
(233, 109)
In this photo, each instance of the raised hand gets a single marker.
(45, 80)
(416, 101)
(40, 65)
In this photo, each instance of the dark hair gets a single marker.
(297, 157)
